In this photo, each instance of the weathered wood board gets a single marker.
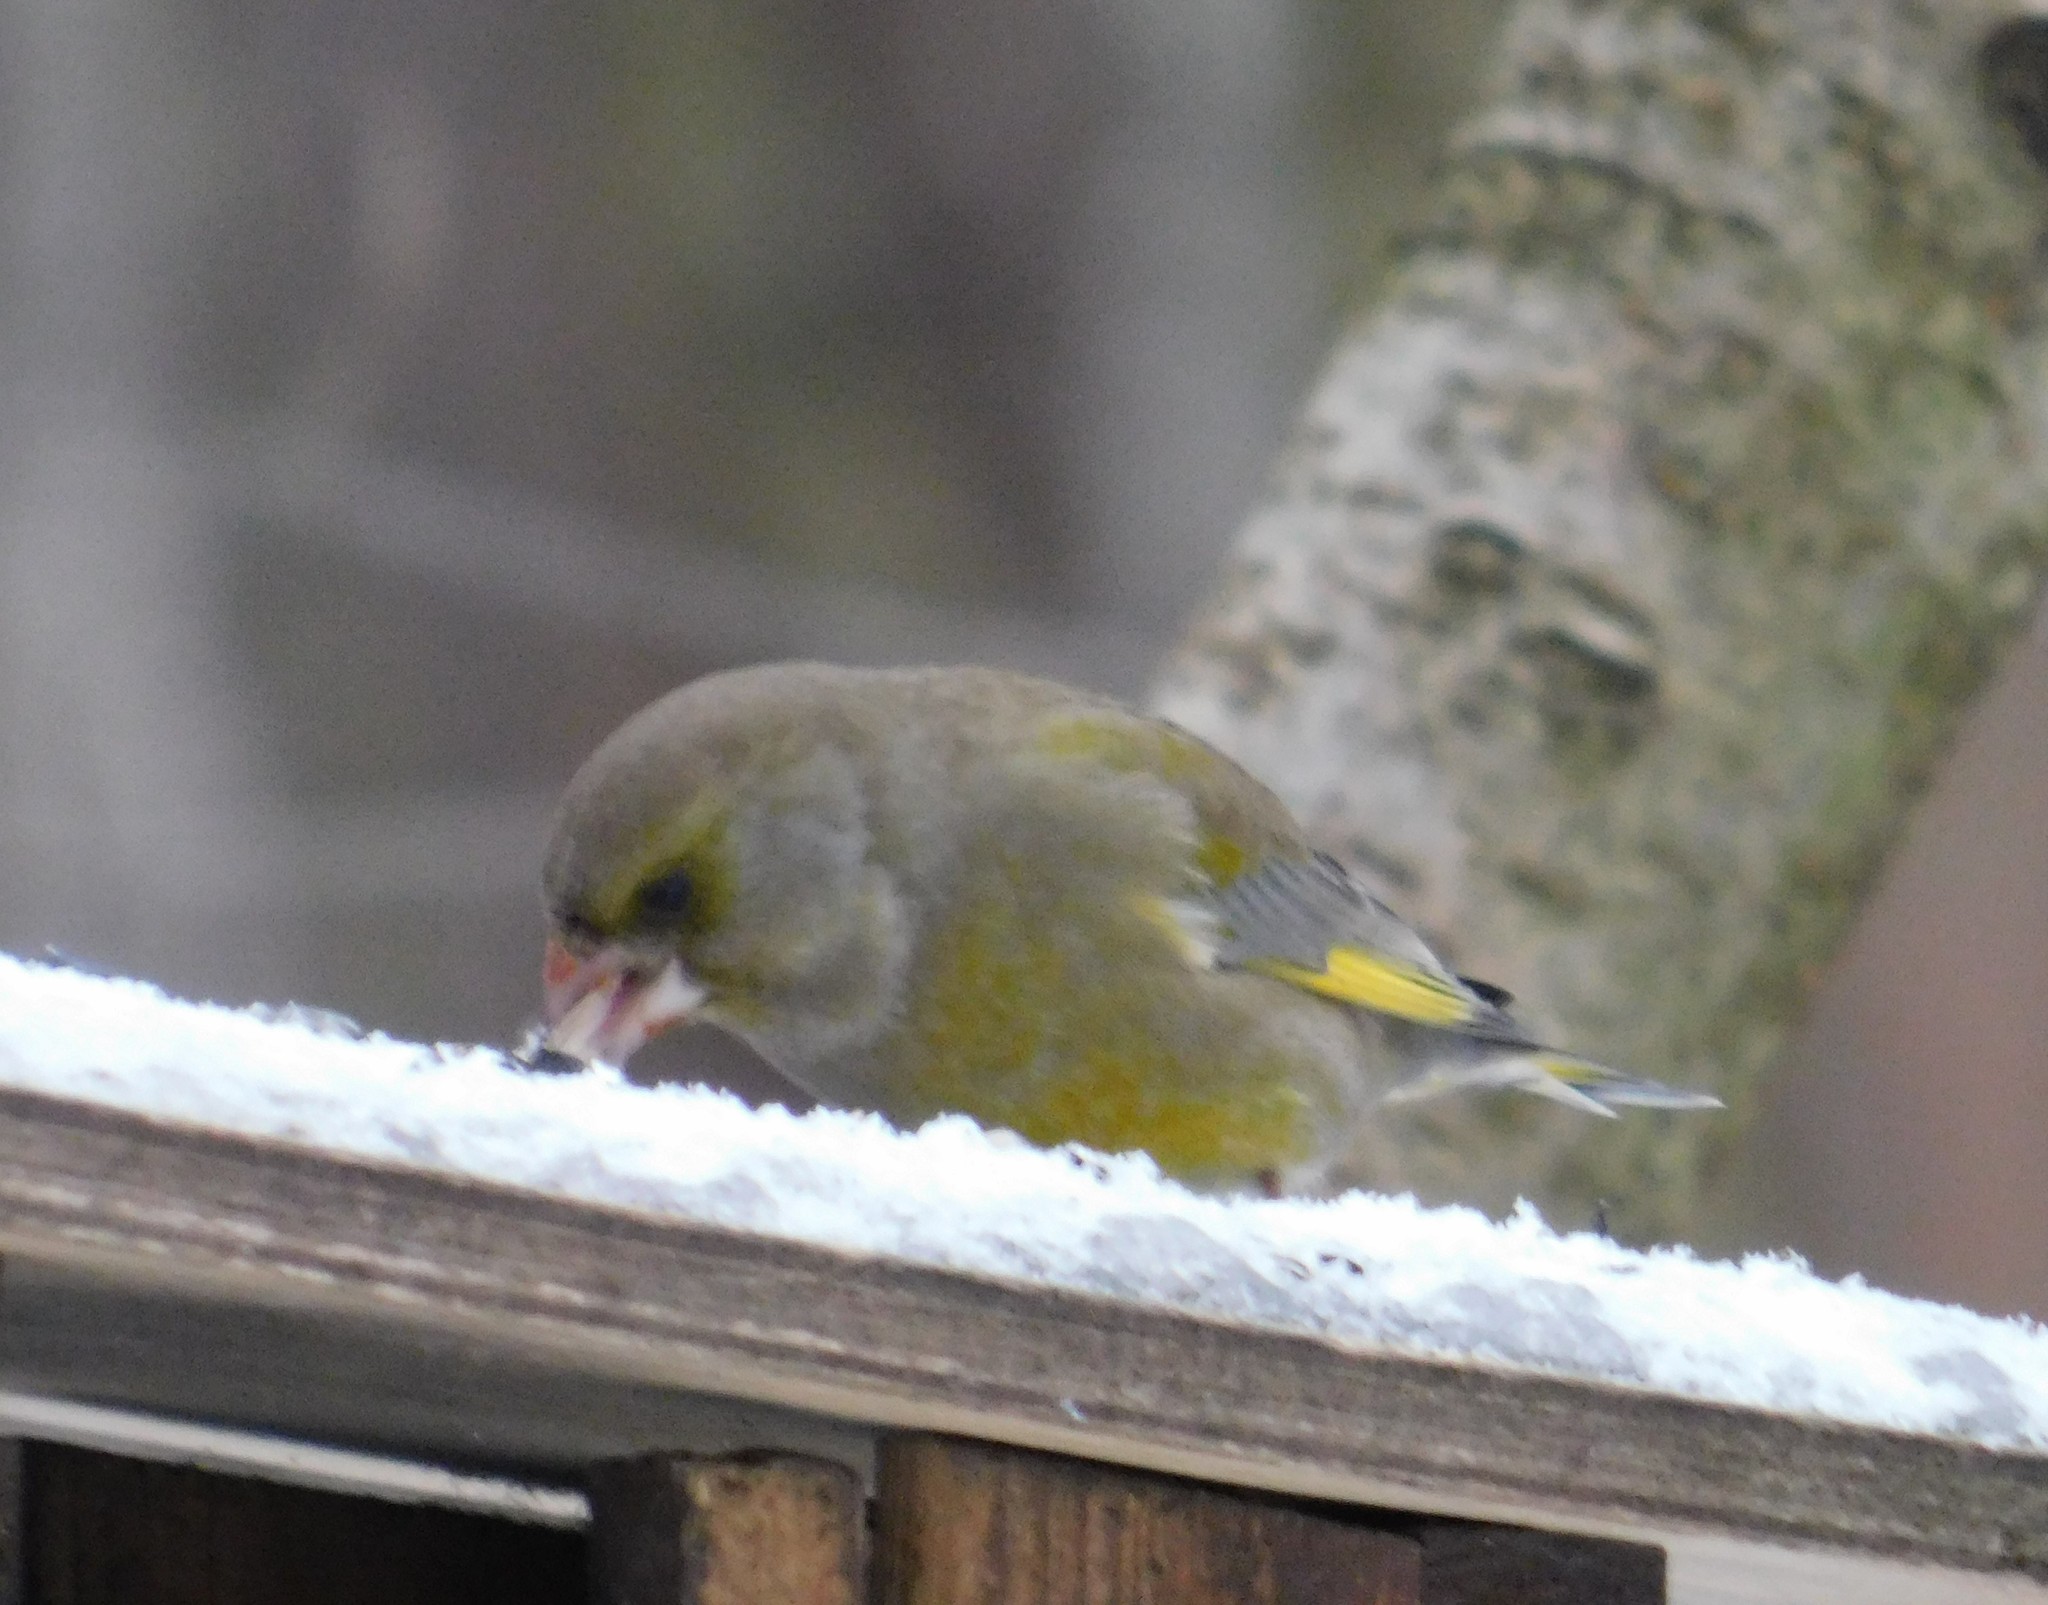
(423, 1293)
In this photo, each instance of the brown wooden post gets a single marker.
(1474, 1563)
(738, 1530)
(13, 1528)
(961, 1523)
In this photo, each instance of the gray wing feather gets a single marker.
(1296, 910)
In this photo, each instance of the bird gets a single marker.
(961, 890)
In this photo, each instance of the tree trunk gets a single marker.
(1635, 560)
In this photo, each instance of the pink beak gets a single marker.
(604, 1006)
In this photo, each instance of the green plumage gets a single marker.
(955, 889)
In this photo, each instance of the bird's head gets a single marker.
(712, 861)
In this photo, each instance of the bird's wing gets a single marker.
(1264, 902)
(1261, 900)
(1305, 921)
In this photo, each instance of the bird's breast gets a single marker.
(1090, 1026)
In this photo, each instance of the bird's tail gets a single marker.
(1580, 1084)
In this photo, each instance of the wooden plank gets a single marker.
(13, 1538)
(759, 1530)
(273, 1457)
(103, 1530)
(1482, 1563)
(346, 1374)
(580, 1290)
(1723, 1571)
(959, 1523)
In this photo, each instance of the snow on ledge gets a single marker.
(1366, 1271)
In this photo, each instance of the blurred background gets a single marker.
(396, 396)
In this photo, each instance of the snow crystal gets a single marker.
(1367, 1272)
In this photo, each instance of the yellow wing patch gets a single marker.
(1374, 981)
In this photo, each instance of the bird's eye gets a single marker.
(668, 898)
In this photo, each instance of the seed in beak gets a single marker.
(605, 1006)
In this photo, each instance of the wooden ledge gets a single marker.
(412, 1285)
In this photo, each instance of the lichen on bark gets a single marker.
(1633, 561)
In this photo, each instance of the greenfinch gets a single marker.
(927, 890)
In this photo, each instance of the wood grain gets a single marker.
(756, 1530)
(13, 1535)
(1480, 1563)
(103, 1530)
(959, 1523)
(486, 1276)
